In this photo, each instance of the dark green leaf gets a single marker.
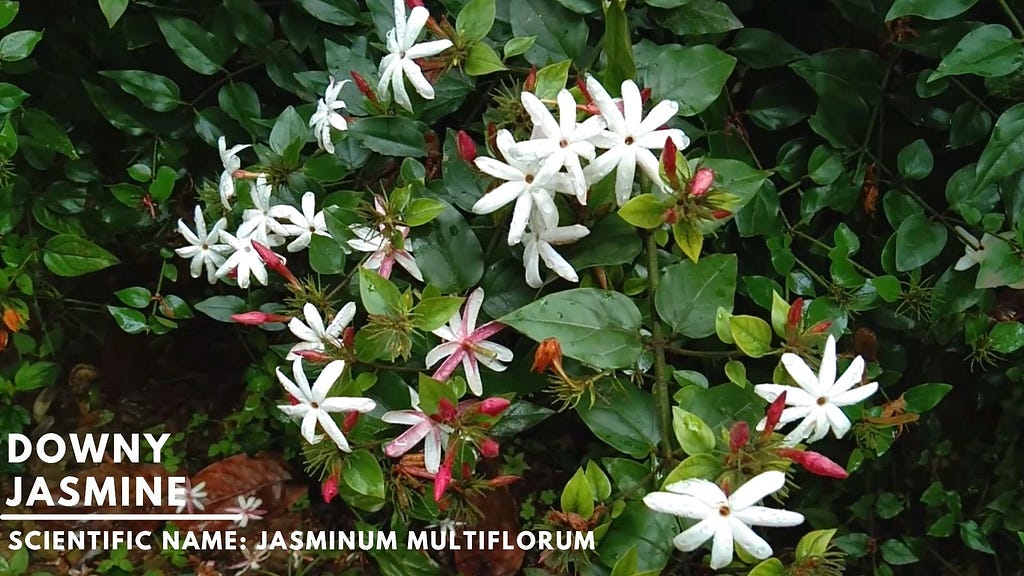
(136, 297)
(759, 48)
(989, 51)
(390, 135)
(700, 17)
(621, 418)
(924, 397)
(449, 253)
(68, 255)
(47, 132)
(691, 75)
(930, 9)
(915, 160)
(690, 293)
(197, 48)
(131, 321)
(113, 10)
(250, 22)
(475, 20)
(338, 12)
(918, 242)
(222, 307)
(1004, 153)
(19, 45)
(156, 92)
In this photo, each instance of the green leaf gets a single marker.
(689, 239)
(693, 435)
(915, 160)
(698, 466)
(692, 75)
(1002, 266)
(422, 211)
(197, 48)
(517, 46)
(338, 12)
(390, 136)
(690, 293)
(68, 255)
(324, 255)
(432, 313)
(924, 397)
(250, 23)
(598, 480)
(700, 17)
(888, 505)
(639, 527)
(551, 79)
(136, 296)
(475, 20)
(752, 335)
(597, 327)
(577, 496)
(617, 45)
(975, 539)
(8, 11)
(221, 308)
(362, 481)
(780, 105)
(929, 9)
(289, 135)
(482, 59)
(918, 242)
(824, 166)
(162, 186)
(156, 92)
(626, 564)
(722, 325)
(780, 314)
(449, 253)
(10, 97)
(759, 49)
(19, 45)
(736, 372)
(769, 567)
(612, 241)
(560, 33)
(519, 417)
(644, 211)
(1004, 153)
(896, 553)
(47, 132)
(969, 126)
(113, 10)
(989, 51)
(621, 418)
(1006, 337)
(34, 375)
(131, 321)
(814, 543)
(378, 294)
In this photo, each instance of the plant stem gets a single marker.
(661, 400)
(677, 351)
(1013, 17)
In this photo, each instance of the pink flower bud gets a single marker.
(348, 338)
(701, 183)
(274, 262)
(329, 489)
(350, 422)
(364, 86)
(739, 435)
(446, 411)
(256, 318)
(493, 406)
(465, 145)
(721, 214)
(490, 448)
(410, 4)
(442, 479)
(668, 161)
(815, 463)
(773, 414)
(796, 312)
(820, 327)
(531, 80)
(313, 356)
(645, 95)
(293, 400)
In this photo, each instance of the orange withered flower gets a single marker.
(549, 352)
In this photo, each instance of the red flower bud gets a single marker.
(645, 95)
(582, 85)
(773, 414)
(814, 463)
(531, 80)
(670, 217)
(467, 472)
(820, 327)
(493, 406)
(350, 422)
(796, 312)
(256, 318)
(410, 4)
(313, 356)
(329, 489)
(668, 161)
(364, 86)
(348, 337)
(465, 145)
(499, 481)
(446, 411)
(701, 183)
(442, 479)
(293, 400)
(274, 262)
(739, 435)
(721, 214)
(490, 448)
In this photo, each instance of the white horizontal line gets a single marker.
(99, 517)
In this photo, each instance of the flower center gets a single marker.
(723, 510)
(312, 228)
(529, 178)
(822, 401)
(205, 246)
(314, 405)
(564, 143)
(629, 140)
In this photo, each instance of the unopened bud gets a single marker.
(246, 175)
(351, 419)
(820, 327)
(670, 216)
(531, 80)
(410, 4)
(490, 448)
(500, 481)
(721, 214)
(467, 472)
(442, 479)
(256, 318)
(492, 137)
(773, 414)
(274, 262)
(493, 406)
(465, 145)
(364, 87)
(739, 435)
(446, 411)
(796, 313)
(313, 356)
(668, 162)
(293, 400)
(645, 95)
(329, 489)
(815, 463)
(582, 85)
(348, 337)
(701, 182)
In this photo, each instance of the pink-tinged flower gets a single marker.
(815, 463)
(313, 356)
(314, 335)
(466, 344)
(195, 497)
(432, 433)
(739, 435)
(384, 254)
(701, 182)
(490, 448)
(465, 145)
(247, 509)
(329, 489)
(315, 406)
(492, 406)
(257, 318)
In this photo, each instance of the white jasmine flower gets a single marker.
(434, 434)
(252, 557)
(819, 398)
(468, 345)
(244, 261)
(195, 496)
(247, 509)
(383, 253)
(315, 407)
(525, 183)
(204, 248)
(229, 158)
(560, 143)
(724, 519)
(314, 335)
(327, 115)
(258, 223)
(539, 245)
(403, 50)
(630, 137)
(303, 224)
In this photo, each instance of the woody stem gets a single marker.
(661, 399)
